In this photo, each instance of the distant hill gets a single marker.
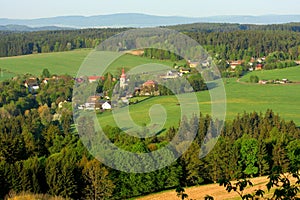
(23, 28)
(143, 20)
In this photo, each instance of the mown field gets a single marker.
(4, 74)
(282, 99)
(219, 192)
(56, 63)
(66, 63)
(214, 190)
(292, 73)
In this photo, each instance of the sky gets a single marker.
(30, 9)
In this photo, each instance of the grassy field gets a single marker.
(66, 63)
(292, 73)
(4, 74)
(282, 99)
(57, 63)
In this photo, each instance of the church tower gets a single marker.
(123, 79)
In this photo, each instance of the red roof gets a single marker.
(123, 74)
(150, 82)
(95, 77)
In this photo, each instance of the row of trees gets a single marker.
(15, 43)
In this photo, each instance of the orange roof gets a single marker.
(150, 82)
(94, 77)
(123, 73)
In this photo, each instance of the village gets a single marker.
(102, 100)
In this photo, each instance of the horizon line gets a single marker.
(149, 14)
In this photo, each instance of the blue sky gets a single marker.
(28, 9)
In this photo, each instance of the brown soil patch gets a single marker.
(218, 192)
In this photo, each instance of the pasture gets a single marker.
(57, 63)
(67, 63)
(291, 73)
(282, 99)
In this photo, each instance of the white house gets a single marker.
(106, 106)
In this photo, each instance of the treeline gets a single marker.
(222, 41)
(15, 43)
(225, 27)
(40, 151)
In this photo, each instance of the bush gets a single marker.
(254, 79)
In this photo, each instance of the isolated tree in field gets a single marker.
(99, 186)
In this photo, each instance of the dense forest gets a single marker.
(225, 41)
(40, 151)
(23, 43)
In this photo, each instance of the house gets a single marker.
(91, 102)
(184, 71)
(261, 60)
(193, 64)
(172, 74)
(263, 82)
(236, 63)
(79, 80)
(149, 88)
(125, 100)
(60, 105)
(283, 81)
(89, 106)
(94, 78)
(32, 84)
(46, 80)
(259, 67)
(93, 99)
(205, 64)
(106, 106)
(150, 84)
(31, 81)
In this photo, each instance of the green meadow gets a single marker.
(67, 62)
(282, 99)
(4, 75)
(57, 63)
(292, 73)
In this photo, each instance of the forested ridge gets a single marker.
(40, 151)
(226, 41)
(24, 43)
